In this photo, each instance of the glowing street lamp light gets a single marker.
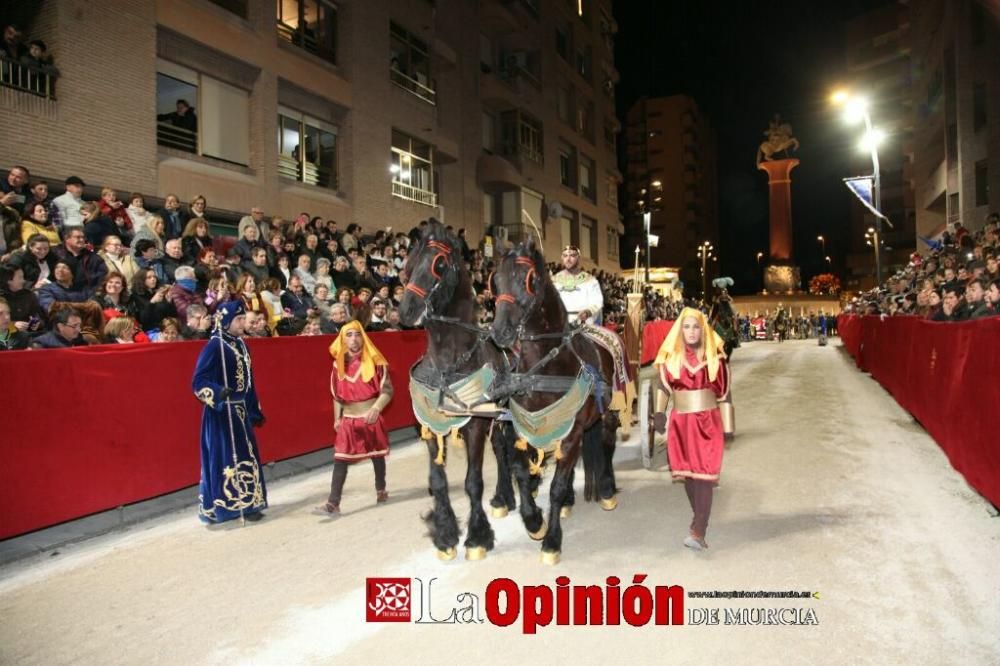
(856, 109)
(828, 261)
(822, 242)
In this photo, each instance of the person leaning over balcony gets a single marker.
(12, 47)
(195, 238)
(36, 221)
(183, 116)
(38, 57)
(149, 296)
(68, 203)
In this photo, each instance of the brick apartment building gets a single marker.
(379, 112)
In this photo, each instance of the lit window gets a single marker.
(412, 169)
(307, 149)
(311, 25)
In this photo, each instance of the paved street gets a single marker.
(828, 487)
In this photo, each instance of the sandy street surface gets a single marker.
(829, 487)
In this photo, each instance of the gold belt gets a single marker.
(357, 410)
(688, 402)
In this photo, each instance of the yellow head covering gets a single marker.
(370, 355)
(672, 350)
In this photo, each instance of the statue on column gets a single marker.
(779, 140)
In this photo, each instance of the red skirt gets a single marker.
(694, 445)
(357, 440)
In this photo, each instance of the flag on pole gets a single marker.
(861, 186)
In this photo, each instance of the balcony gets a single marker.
(28, 78)
(420, 87)
(411, 193)
(307, 39)
(307, 173)
(495, 173)
(178, 138)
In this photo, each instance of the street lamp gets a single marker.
(704, 254)
(856, 108)
(822, 242)
(828, 261)
(759, 256)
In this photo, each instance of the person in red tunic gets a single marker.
(361, 389)
(692, 368)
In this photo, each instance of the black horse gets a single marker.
(439, 289)
(724, 321)
(555, 360)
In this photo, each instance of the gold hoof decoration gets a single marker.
(456, 439)
(609, 504)
(540, 534)
(425, 432)
(535, 466)
(566, 512)
(447, 555)
(439, 460)
(475, 554)
(551, 558)
(499, 511)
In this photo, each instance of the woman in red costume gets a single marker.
(361, 390)
(693, 371)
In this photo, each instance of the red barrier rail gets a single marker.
(947, 375)
(92, 428)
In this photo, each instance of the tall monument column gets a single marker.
(779, 181)
(781, 274)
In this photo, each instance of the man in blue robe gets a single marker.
(232, 481)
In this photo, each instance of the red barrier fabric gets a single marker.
(92, 428)
(946, 375)
(653, 335)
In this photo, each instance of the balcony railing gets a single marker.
(304, 40)
(308, 173)
(27, 78)
(421, 90)
(171, 136)
(411, 193)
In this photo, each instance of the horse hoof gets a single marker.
(609, 504)
(566, 512)
(447, 555)
(551, 558)
(540, 534)
(499, 511)
(534, 493)
(475, 554)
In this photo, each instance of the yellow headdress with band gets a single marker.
(672, 350)
(370, 355)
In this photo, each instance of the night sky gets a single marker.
(742, 65)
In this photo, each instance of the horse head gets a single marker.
(432, 273)
(517, 283)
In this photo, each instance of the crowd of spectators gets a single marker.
(76, 272)
(957, 280)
